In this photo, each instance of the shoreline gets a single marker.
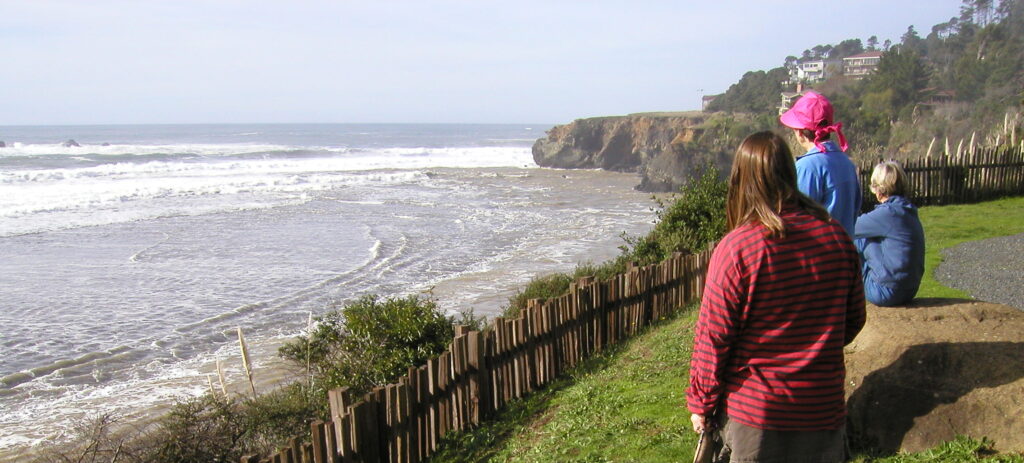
(269, 372)
(470, 289)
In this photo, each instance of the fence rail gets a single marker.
(484, 370)
(976, 175)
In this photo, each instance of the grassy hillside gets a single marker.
(628, 405)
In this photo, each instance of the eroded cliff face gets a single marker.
(661, 147)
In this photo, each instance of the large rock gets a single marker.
(920, 375)
(661, 147)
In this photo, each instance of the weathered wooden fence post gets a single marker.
(366, 430)
(478, 385)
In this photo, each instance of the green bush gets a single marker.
(274, 417)
(603, 271)
(557, 284)
(373, 341)
(687, 224)
(543, 287)
(205, 428)
(202, 429)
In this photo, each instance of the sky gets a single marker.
(391, 61)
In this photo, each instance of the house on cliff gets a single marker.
(787, 99)
(706, 100)
(861, 64)
(815, 70)
(809, 72)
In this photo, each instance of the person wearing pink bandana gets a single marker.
(824, 172)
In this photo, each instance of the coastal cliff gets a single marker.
(662, 147)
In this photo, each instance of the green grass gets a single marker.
(628, 404)
(948, 226)
(960, 450)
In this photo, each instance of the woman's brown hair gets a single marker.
(762, 183)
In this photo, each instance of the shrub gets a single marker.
(202, 429)
(373, 341)
(688, 224)
(543, 287)
(95, 440)
(274, 417)
(601, 272)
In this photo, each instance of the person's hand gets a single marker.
(699, 422)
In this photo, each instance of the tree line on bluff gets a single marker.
(961, 79)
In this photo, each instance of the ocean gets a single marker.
(133, 254)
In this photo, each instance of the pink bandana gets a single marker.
(821, 133)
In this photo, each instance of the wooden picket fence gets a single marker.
(978, 175)
(482, 371)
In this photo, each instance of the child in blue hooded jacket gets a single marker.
(824, 173)
(890, 240)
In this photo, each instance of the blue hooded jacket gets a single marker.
(831, 179)
(894, 249)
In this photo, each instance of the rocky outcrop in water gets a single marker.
(662, 147)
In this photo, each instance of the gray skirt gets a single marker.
(739, 443)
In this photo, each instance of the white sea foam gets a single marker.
(394, 158)
(517, 224)
(20, 199)
(42, 199)
(168, 384)
(350, 159)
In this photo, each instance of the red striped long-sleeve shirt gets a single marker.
(773, 321)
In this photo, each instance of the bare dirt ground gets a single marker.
(922, 374)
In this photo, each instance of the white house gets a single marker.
(862, 64)
(814, 70)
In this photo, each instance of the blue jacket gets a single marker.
(894, 250)
(831, 179)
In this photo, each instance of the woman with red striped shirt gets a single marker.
(783, 295)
